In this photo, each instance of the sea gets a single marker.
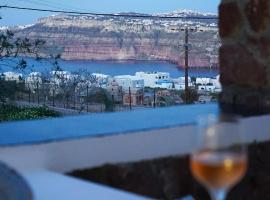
(109, 67)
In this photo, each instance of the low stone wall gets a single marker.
(170, 178)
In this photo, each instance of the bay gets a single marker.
(112, 68)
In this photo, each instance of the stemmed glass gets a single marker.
(220, 157)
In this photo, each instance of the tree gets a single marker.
(84, 87)
(12, 53)
(7, 91)
(12, 47)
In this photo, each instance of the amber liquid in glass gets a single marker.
(218, 170)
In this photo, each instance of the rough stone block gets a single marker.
(231, 20)
(239, 67)
(261, 44)
(258, 14)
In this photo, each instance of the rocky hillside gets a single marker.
(128, 38)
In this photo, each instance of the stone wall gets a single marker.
(170, 178)
(245, 56)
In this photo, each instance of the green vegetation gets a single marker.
(215, 96)
(12, 47)
(101, 96)
(8, 90)
(193, 96)
(12, 113)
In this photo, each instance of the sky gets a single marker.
(15, 17)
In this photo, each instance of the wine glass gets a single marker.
(220, 157)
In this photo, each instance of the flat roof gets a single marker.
(164, 81)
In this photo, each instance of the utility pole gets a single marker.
(122, 93)
(87, 96)
(74, 96)
(186, 45)
(154, 97)
(44, 93)
(38, 92)
(129, 92)
(186, 66)
(53, 96)
(113, 101)
(29, 94)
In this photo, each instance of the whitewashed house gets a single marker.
(179, 83)
(203, 81)
(102, 79)
(151, 79)
(115, 92)
(209, 84)
(59, 79)
(178, 86)
(216, 82)
(206, 88)
(61, 75)
(182, 80)
(83, 88)
(127, 81)
(133, 89)
(33, 81)
(165, 84)
(12, 76)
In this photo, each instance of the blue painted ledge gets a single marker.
(97, 125)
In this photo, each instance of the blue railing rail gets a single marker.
(99, 125)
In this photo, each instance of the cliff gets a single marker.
(118, 38)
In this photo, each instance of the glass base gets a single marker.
(218, 194)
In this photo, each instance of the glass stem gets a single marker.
(218, 194)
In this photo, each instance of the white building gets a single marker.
(207, 88)
(83, 87)
(165, 84)
(209, 84)
(182, 80)
(133, 89)
(102, 79)
(203, 81)
(58, 77)
(33, 81)
(151, 79)
(179, 83)
(114, 91)
(179, 86)
(127, 81)
(12, 76)
(216, 83)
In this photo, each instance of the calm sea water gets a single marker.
(113, 68)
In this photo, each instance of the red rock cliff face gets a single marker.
(78, 38)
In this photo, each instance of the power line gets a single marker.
(54, 5)
(41, 4)
(107, 14)
(67, 6)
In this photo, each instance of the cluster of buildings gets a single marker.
(127, 89)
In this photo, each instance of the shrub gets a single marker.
(12, 113)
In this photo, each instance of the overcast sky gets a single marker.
(15, 17)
